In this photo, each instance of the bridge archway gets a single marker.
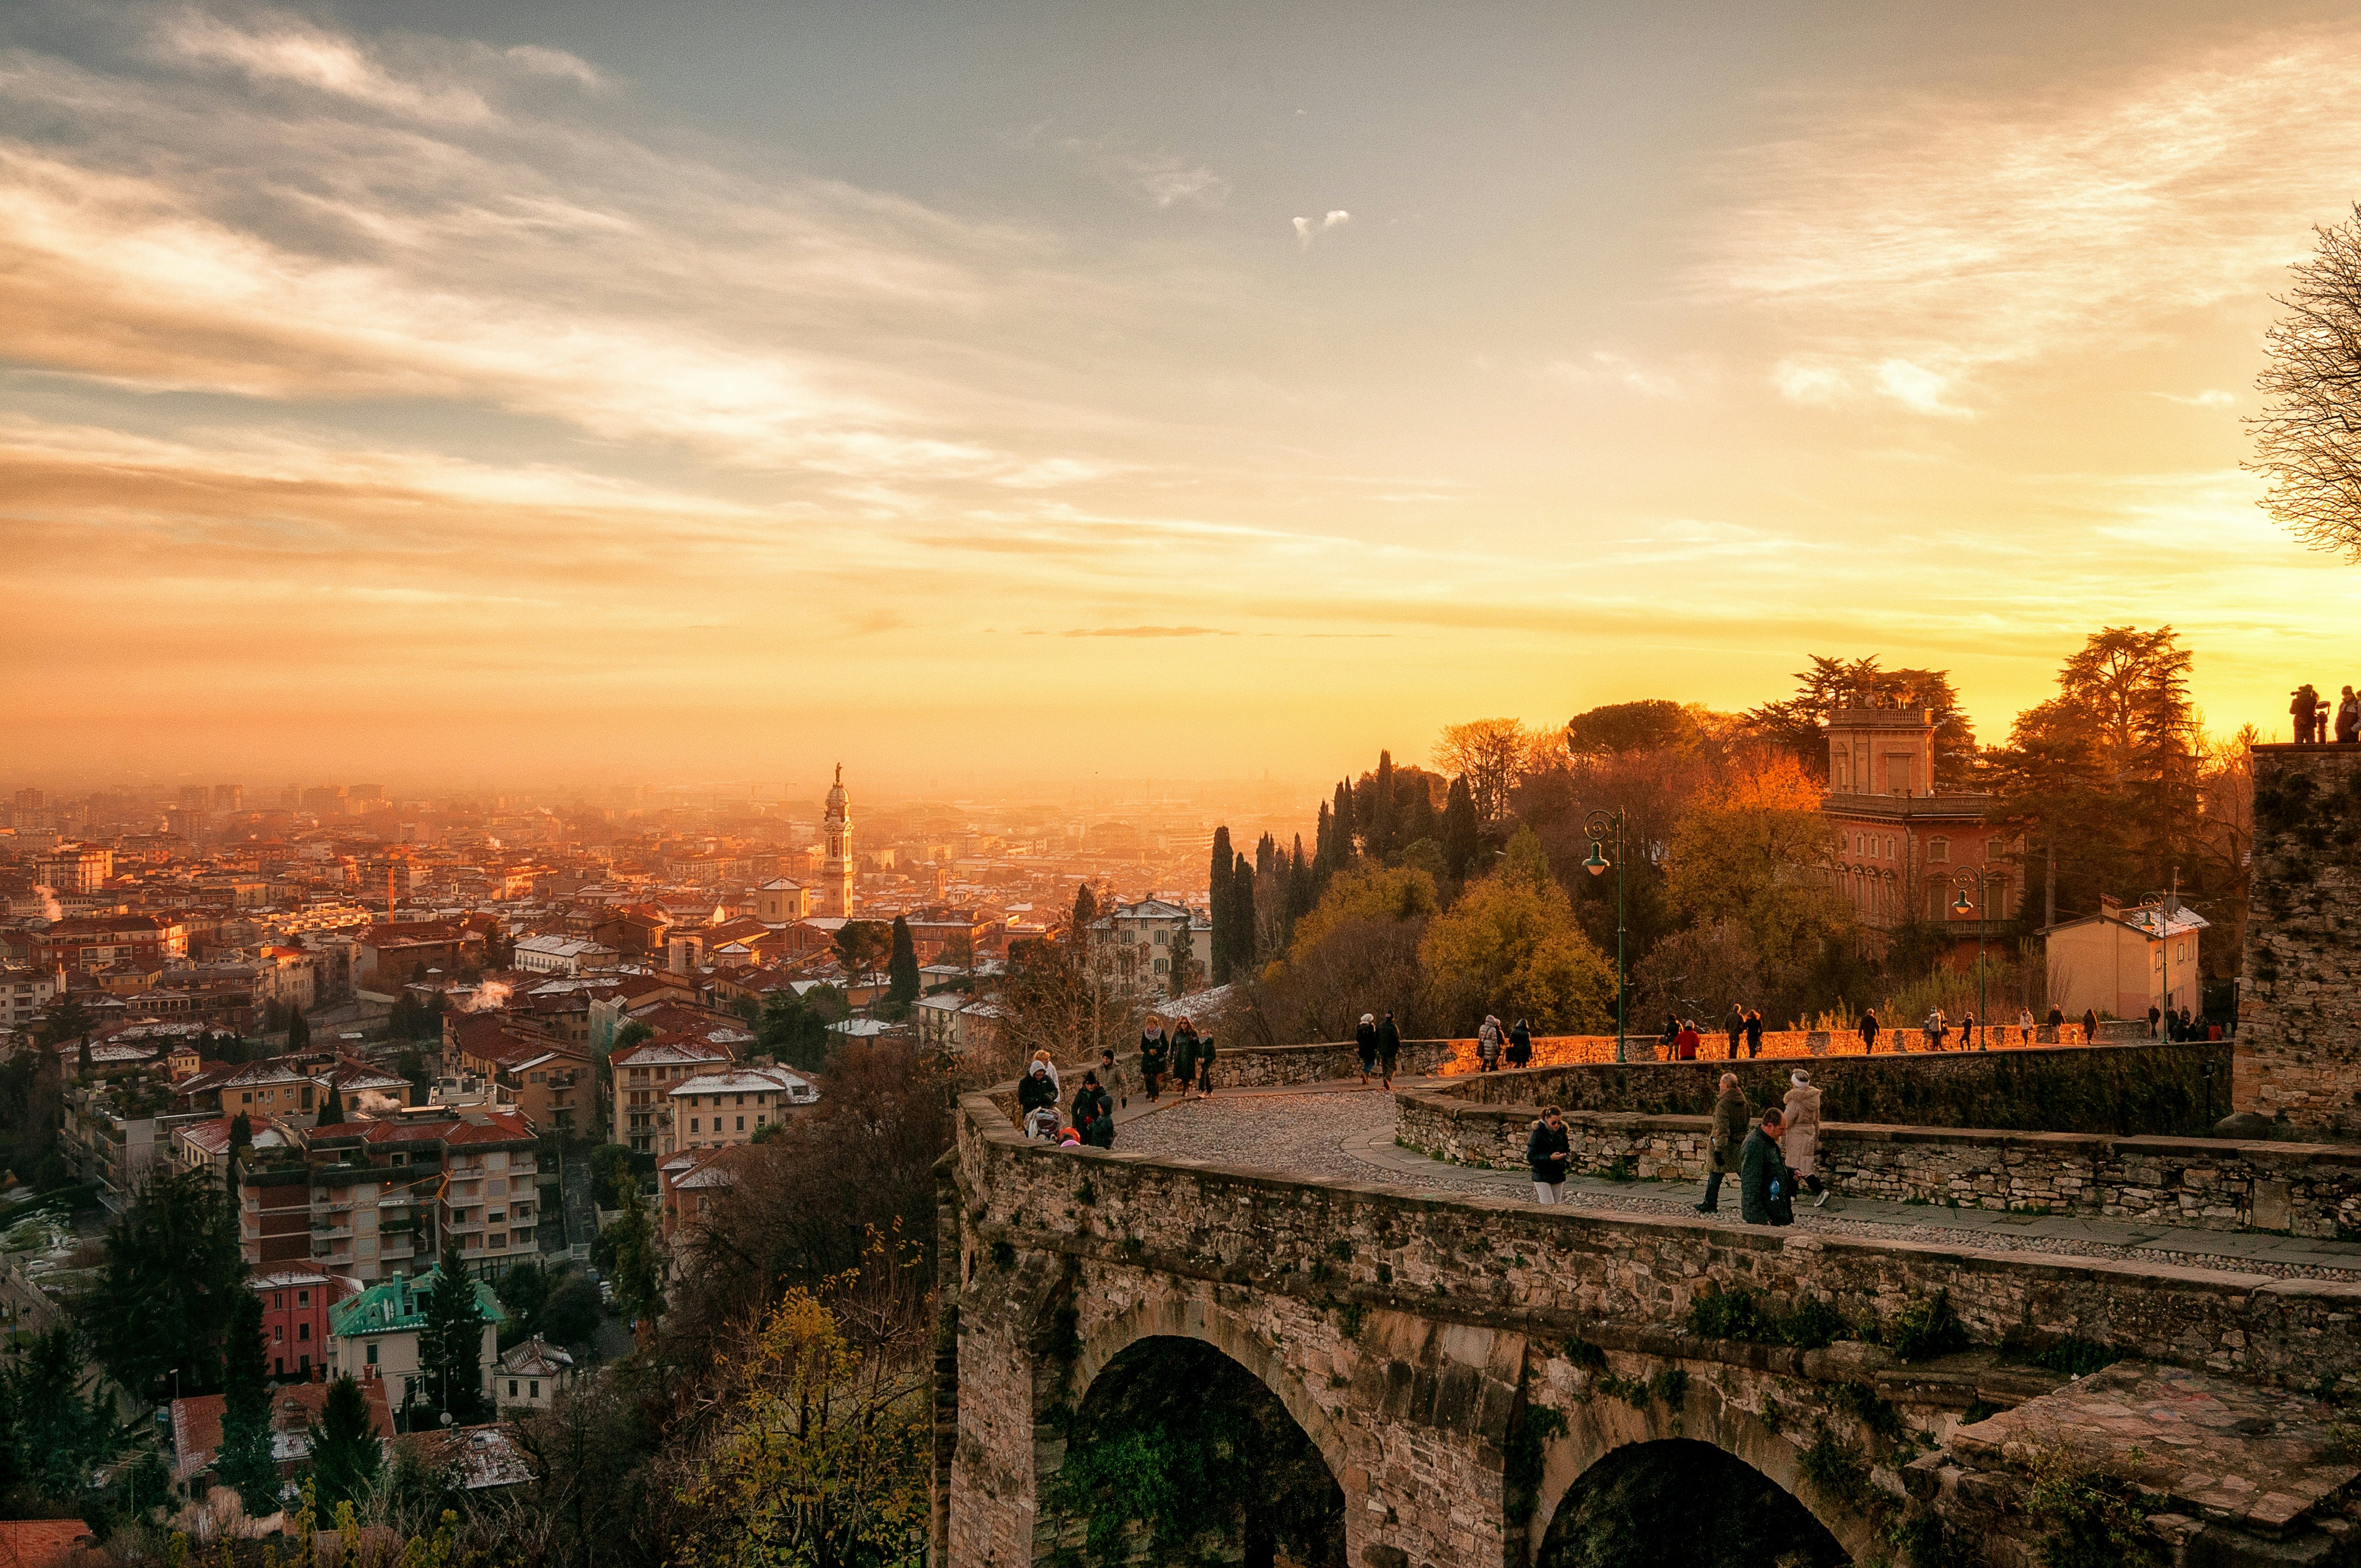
(1174, 1440)
(1677, 1501)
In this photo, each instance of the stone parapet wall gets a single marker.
(1508, 1264)
(2299, 1056)
(2305, 1190)
(2153, 1087)
(1280, 1067)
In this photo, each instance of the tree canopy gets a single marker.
(1510, 945)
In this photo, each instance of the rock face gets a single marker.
(2297, 1059)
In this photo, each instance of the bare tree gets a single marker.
(1492, 755)
(2307, 437)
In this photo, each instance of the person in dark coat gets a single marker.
(2089, 1025)
(1205, 1067)
(1753, 1033)
(1670, 1035)
(1729, 1137)
(1035, 1093)
(1155, 1055)
(1184, 1056)
(1546, 1155)
(1869, 1033)
(1733, 1023)
(1521, 1046)
(1091, 1103)
(1389, 1049)
(1100, 1134)
(1365, 1044)
(1765, 1190)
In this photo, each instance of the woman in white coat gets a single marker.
(1799, 1143)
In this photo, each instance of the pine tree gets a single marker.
(1459, 830)
(332, 1109)
(450, 1346)
(298, 1032)
(1379, 834)
(1217, 886)
(245, 1463)
(1242, 917)
(902, 970)
(345, 1459)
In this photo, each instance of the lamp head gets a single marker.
(1960, 905)
(1595, 862)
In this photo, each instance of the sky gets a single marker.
(520, 392)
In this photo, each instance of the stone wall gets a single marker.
(2305, 1190)
(2299, 1056)
(1276, 1066)
(2151, 1089)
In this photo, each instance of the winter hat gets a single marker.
(1800, 1079)
(1369, 1017)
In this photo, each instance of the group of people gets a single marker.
(1185, 1055)
(1495, 1046)
(1091, 1117)
(1379, 1044)
(2310, 712)
(1684, 1041)
(1771, 1155)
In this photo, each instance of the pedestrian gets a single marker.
(1155, 1055)
(1488, 1044)
(2348, 717)
(2057, 1021)
(1041, 1059)
(1764, 1186)
(2025, 1022)
(1684, 1044)
(1733, 1023)
(1389, 1049)
(2089, 1025)
(1090, 1100)
(1037, 1101)
(1205, 1067)
(1753, 1033)
(1547, 1154)
(1799, 1143)
(1869, 1033)
(2188, 1025)
(1968, 1031)
(1111, 1077)
(1728, 1136)
(1935, 1028)
(1184, 1056)
(1672, 1033)
(2155, 1016)
(2302, 706)
(1520, 1045)
(1364, 1043)
(1100, 1134)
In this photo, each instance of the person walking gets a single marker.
(2303, 705)
(1684, 1044)
(1205, 1067)
(1488, 1044)
(1184, 1056)
(1799, 1142)
(2348, 717)
(2056, 1022)
(2155, 1016)
(1389, 1050)
(1935, 1028)
(1521, 1046)
(1365, 1045)
(2089, 1025)
(1155, 1055)
(1869, 1032)
(1968, 1032)
(1765, 1188)
(1753, 1033)
(1728, 1137)
(1111, 1077)
(1733, 1023)
(1547, 1154)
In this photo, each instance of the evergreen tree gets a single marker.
(1218, 881)
(346, 1459)
(450, 1346)
(1086, 911)
(1344, 829)
(1413, 810)
(1324, 851)
(82, 1064)
(1266, 855)
(1459, 830)
(172, 1277)
(1299, 894)
(298, 1032)
(332, 1108)
(1241, 919)
(245, 1463)
(1379, 832)
(902, 970)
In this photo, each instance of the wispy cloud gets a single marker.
(1906, 248)
(1161, 179)
(1309, 229)
(2211, 398)
(1604, 368)
(1147, 631)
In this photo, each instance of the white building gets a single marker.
(562, 955)
(1141, 942)
(714, 1110)
(531, 1376)
(24, 992)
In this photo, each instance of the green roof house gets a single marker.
(374, 1334)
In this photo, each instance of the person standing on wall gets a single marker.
(1389, 1050)
(1765, 1187)
(1799, 1143)
(1869, 1033)
(1547, 1154)
(1729, 1137)
(1365, 1046)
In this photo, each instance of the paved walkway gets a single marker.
(1342, 1132)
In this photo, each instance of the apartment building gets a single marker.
(713, 1109)
(643, 1077)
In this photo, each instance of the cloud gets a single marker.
(1603, 368)
(2211, 398)
(1306, 231)
(1904, 249)
(1161, 179)
(1147, 631)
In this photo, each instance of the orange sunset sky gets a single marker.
(993, 392)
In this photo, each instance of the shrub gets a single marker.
(2091, 1518)
(1927, 1328)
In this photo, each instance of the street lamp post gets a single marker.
(1598, 825)
(1982, 881)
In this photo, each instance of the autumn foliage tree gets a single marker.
(1511, 946)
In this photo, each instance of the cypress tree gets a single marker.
(1381, 831)
(1266, 854)
(1343, 828)
(1218, 887)
(1242, 917)
(1299, 886)
(902, 969)
(1086, 910)
(1459, 830)
(1324, 851)
(299, 1031)
(332, 1109)
(1413, 811)
(345, 1462)
(245, 1463)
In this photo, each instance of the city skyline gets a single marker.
(510, 392)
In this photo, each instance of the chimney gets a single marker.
(2112, 908)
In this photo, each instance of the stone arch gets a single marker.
(1706, 1415)
(1166, 1315)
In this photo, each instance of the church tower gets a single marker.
(836, 841)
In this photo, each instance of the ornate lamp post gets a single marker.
(1982, 881)
(1600, 826)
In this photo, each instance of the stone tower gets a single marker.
(836, 841)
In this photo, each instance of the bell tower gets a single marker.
(836, 844)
